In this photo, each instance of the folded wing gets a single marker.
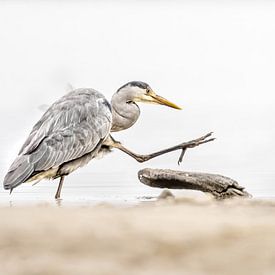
(72, 127)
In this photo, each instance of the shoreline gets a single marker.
(171, 236)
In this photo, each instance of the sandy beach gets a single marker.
(182, 236)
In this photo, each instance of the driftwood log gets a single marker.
(219, 186)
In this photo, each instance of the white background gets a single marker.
(214, 58)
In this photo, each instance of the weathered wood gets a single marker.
(219, 186)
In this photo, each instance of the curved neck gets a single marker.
(124, 112)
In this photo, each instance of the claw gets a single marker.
(194, 143)
(208, 135)
(181, 156)
(207, 140)
(205, 136)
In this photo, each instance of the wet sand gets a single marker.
(183, 236)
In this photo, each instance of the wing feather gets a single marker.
(71, 128)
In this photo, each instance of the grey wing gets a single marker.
(72, 127)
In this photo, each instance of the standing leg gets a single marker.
(57, 195)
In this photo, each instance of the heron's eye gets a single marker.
(147, 91)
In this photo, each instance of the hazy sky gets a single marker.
(216, 60)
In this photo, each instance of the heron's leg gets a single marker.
(183, 146)
(58, 192)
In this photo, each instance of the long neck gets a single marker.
(125, 112)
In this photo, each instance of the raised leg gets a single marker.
(183, 146)
(58, 192)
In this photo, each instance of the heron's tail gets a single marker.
(20, 170)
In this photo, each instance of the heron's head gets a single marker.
(137, 91)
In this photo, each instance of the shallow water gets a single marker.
(215, 60)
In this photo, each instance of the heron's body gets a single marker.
(68, 136)
(76, 129)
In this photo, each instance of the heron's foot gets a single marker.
(194, 143)
(58, 202)
(57, 196)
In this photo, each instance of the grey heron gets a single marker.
(77, 128)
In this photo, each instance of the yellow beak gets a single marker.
(162, 101)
